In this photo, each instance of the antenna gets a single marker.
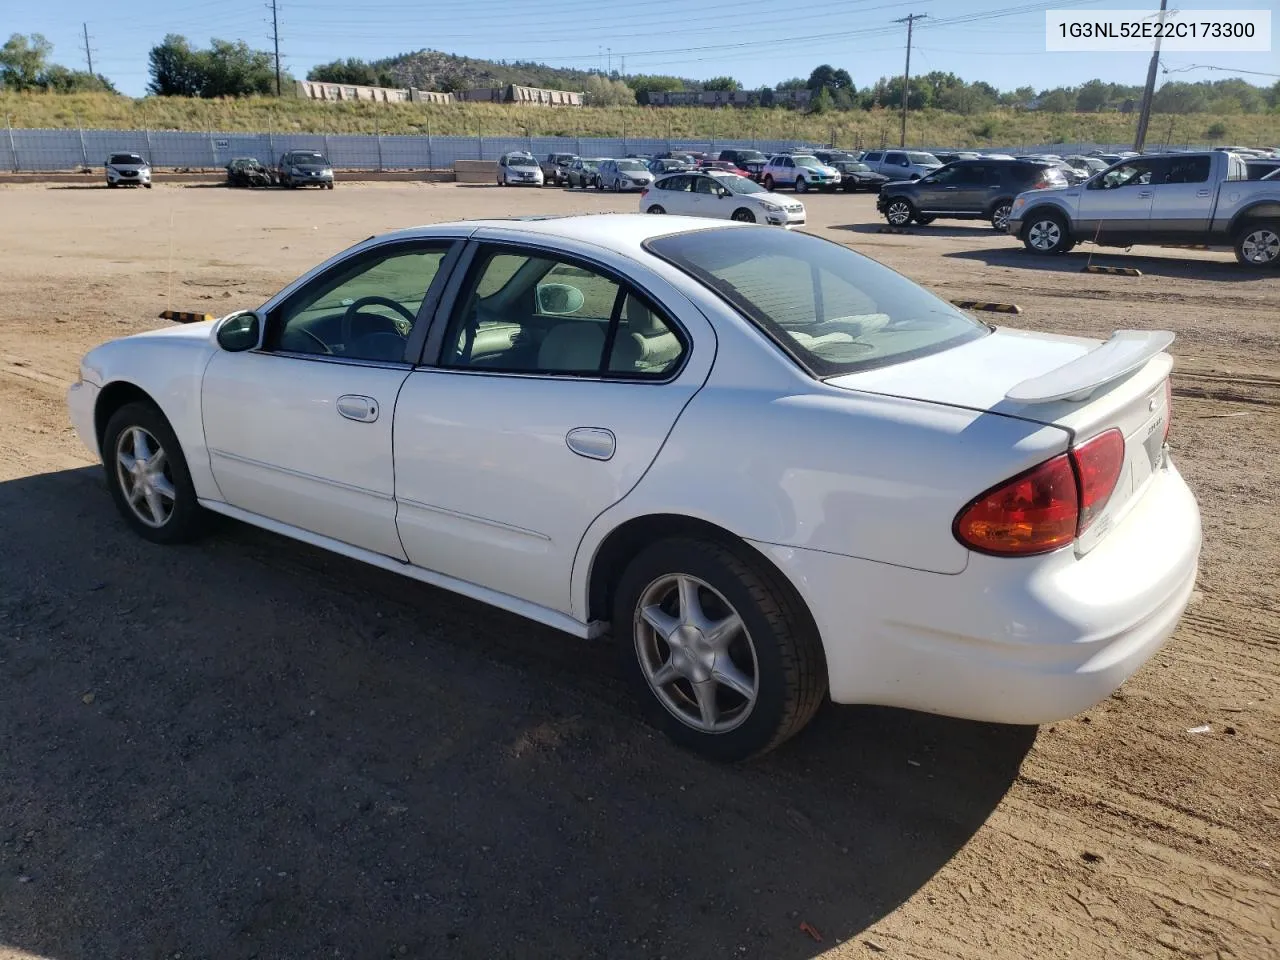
(906, 73)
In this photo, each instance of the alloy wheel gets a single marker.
(144, 475)
(898, 213)
(1000, 217)
(1045, 235)
(696, 654)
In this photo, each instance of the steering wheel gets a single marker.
(348, 318)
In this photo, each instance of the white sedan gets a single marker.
(772, 469)
(724, 196)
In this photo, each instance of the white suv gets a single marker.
(799, 170)
(128, 169)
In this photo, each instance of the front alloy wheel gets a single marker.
(1046, 235)
(142, 469)
(743, 215)
(898, 213)
(148, 475)
(1259, 245)
(801, 185)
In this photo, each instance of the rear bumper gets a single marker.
(1025, 641)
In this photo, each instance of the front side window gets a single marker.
(1135, 173)
(362, 309)
(900, 158)
(873, 157)
(532, 313)
(830, 309)
(706, 185)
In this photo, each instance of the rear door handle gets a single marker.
(1144, 194)
(355, 407)
(1202, 193)
(594, 443)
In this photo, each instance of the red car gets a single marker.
(724, 165)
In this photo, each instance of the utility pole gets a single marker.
(624, 66)
(1144, 115)
(609, 52)
(906, 73)
(88, 52)
(275, 37)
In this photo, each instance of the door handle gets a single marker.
(1144, 194)
(950, 188)
(1202, 193)
(594, 443)
(355, 407)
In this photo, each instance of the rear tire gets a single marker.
(757, 684)
(1000, 216)
(768, 182)
(158, 501)
(656, 208)
(1257, 245)
(1047, 234)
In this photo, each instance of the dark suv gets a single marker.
(966, 190)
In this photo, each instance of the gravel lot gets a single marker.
(248, 748)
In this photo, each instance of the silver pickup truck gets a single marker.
(1178, 198)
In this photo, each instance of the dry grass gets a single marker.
(930, 127)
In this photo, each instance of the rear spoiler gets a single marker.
(1125, 352)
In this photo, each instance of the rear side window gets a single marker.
(830, 309)
(873, 157)
(1024, 173)
(1188, 170)
(895, 158)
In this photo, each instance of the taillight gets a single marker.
(644, 193)
(1098, 463)
(1048, 506)
(1034, 512)
(1168, 407)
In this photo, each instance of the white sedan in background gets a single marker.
(723, 196)
(771, 468)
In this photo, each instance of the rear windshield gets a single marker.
(125, 158)
(832, 310)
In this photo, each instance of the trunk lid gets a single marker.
(1080, 385)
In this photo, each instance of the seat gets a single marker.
(575, 346)
(645, 343)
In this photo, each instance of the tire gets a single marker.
(112, 184)
(1047, 234)
(181, 517)
(768, 182)
(599, 184)
(925, 221)
(656, 209)
(1000, 216)
(899, 212)
(743, 215)
(775, 655)
(1257, 245)
(147, 185)
(801, 185)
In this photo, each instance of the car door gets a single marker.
(938, 190)
(677, 195)
(1115, 206)
(705, 201)
(1183, 201)
(549, 392)
(299, 428)
(895, 165)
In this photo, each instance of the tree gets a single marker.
(176, 69)
(1093, 96)
(826, 77)
(722, 83)
(60, 79)
(1059, 100)
(822, 103)
(23, 61)
(603, 92)
(795, 83)
(351, 70)
(656, 83)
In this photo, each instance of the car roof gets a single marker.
(617, 232)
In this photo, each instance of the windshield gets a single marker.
(521, 162)
(307, 158)
(832, 310)
(807, 161)
(924, 159)
(630, 165)
(736, 184)
(126, 158)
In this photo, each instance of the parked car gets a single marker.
(831, 157)
(949, 157)
(740, 157)
(724, 165)
(973, 545)
(519, 169)
(1193, 198)
(720, 195)
(582, 172)
(1258, 169)
(966, 190)
(248, 172)
(1087, 165)
(664, 166)
(555, 169)
(620, 175)
(127, 169)
(1069, 172)
(856, 175)
(902, 164)
(801, 171)
(300, 168)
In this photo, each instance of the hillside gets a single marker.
(433, 70)
(1003, 127)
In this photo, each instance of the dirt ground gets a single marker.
(249, 748)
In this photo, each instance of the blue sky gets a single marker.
(757, 41)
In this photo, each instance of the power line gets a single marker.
(910, 20)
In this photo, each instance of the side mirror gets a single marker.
(559, 299)
(929, 180)
(240, 331)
